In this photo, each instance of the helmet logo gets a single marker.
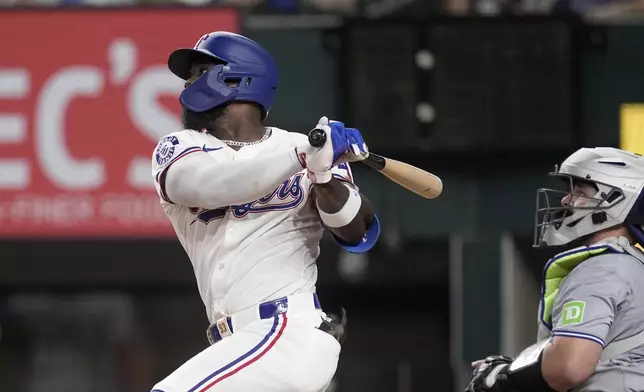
(203, 37)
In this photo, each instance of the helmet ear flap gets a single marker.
(207, 91)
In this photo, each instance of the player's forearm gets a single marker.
(197, 181)
(333, 199)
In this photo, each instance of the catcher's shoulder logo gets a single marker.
(573, 313)
(166, 149)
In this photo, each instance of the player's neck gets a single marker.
(616, 232)
(239, 131)
(241, 123)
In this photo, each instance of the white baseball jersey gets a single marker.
(247, 245)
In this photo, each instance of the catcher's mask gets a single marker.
(578, 201)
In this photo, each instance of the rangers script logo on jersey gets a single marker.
(287, 196)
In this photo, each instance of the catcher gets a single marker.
(591, 313)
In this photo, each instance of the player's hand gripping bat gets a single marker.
(409, 177)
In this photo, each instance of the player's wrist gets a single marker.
(520, 376)
(310, 158)
(496, 381)
(322, 177)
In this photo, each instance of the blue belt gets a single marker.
(267, 310)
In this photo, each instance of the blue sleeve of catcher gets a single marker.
(368, 241)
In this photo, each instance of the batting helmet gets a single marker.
(238, 59)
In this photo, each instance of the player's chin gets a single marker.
(203, 120)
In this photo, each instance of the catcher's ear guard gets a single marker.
(335, 326)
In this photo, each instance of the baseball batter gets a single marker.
(591, 315)
(249, 204)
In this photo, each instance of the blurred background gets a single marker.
(97, 295)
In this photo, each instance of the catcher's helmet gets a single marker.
(237, 59)
(617, 179)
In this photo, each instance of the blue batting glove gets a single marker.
(339, 139)
(357, 145)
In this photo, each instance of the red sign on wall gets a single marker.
(84, 97)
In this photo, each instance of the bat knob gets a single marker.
(317, 138)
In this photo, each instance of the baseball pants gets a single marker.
(283, 353)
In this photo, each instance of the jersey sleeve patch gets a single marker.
(166, 149)
(573, 313)
(170, 149)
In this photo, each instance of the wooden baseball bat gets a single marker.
(409, 177)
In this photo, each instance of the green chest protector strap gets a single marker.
(560, 266)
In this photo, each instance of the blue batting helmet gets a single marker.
(238, 59)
